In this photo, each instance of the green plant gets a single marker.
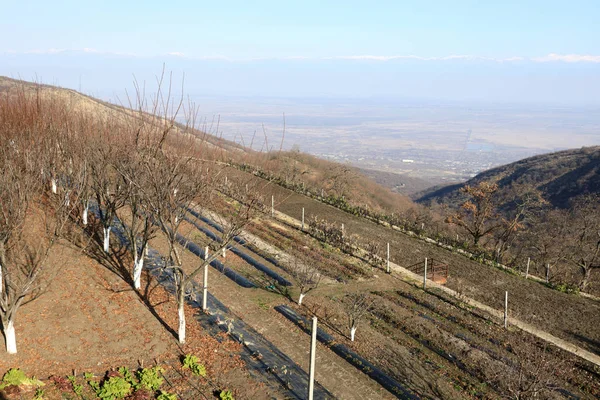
(128, 376)
(78, 389)
(166, 396)
(226, 395)
(16, 377)
(114, 388)
(150, 378)
(89, 377)
(191, 362)
(39, 394)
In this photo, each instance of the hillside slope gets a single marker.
(334, 178)
(560, 177)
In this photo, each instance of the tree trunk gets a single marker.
(300, 298)
(587, 273)
(85, 214)
(352, 332)
(106, 239)
(180, 304)
(11, 339)
(138, 265)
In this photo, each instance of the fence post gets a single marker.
(205, 289)
(205, 285)
(388, 258)
(505, 309)
(425, 275)
(272, 205)
(313, 350)
(302, 218)
(527, 269)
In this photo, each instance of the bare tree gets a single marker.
(582, 238)
(140, 228)
(477, 215)
(107, 187)
(532, 374)
(356, 307)
(307, 277)
(32, 216)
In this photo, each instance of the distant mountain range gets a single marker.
(560, 177)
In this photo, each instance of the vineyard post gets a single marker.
(425, 275)
(505, 309)
(205, 285)
(313, 351)
(388, 258)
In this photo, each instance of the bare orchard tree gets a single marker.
(25, 205)
(106, 185)
(533, 374)
(356, 307)
(172, 185)
(139, 228)
(306, 276)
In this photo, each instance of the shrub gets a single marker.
(166, 396)
(16, 377)
(150, 378)
(226, 395)
(114, 388)
(191, 362)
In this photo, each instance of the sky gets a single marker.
(506, 51)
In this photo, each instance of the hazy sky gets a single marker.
(525, 50)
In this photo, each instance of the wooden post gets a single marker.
(425, 275)
(343, 231)
(527, 268)
(313, 350)
(272, 206)
(205, 285)
(224, 252)
(548, 273)
(388, 258)
(322, 194)
(225, 180)
(302, 218)
(505, 310)
(205, 288)
(422, 226)
(246, 188)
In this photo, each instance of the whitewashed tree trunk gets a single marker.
(138, 265)
(106, 239)
(54, 189)
(85, 214)
(300, 298)
(11, 339)
(181, 312)
(352, 332)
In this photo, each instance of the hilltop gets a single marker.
(560, 177)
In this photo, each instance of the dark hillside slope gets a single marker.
(560, 177)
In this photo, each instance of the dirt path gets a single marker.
(408, 276)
